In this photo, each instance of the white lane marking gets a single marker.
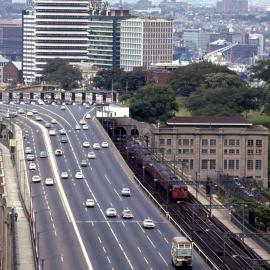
(118, 194)
(109, 260)
(151, 241)
(99, 240)
(166, 240)
(107, 178)
(162, 258)
(139, 249)
(146, 260)
(104, 249)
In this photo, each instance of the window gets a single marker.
(225, 164)
(237, 164)
(169, 151)
(231, 151)
(179, 142)
(259, 143)
(237, 151)
(185, 151)
(185, 163)
(232, 142)
(250, 164)
(225, 151)
(212, 164)
(204, 142)
(237, 142)
(191, 142)
(191, 151)
(162, 151)
(250, 142)
(169, 141)
(212, 142)
(161, 141)
(250, 151)
(258, 151)
(231, 164)
(204, 151)
(258, 165)
(179, 151)
(204, 164)
(213, 151)
(191, 164)
(185, 142)
(225, 142)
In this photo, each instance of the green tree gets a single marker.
(185, 80)
(153, 103)
(122, 80)
(222, 94)
(58, 70)
(261, 70)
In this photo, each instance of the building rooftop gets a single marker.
(208, 121)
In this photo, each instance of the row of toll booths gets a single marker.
(91, 97)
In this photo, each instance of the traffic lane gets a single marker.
(42, 215)
(120, 253)
(58, 217)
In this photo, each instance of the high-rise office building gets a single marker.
(28, 51)
(104, 38)
(145, 41)
(196, 39)
(61, 31)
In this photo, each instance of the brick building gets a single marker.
(208, 146)
(12, 72)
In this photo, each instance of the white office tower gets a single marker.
(28, 50)
(61, 31)
(145, 41)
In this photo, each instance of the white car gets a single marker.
(58, 152)
(111, 212)
(125, 191)
(79, 175)
(82, 122)
(90, 203)
(91, 155)
(28, 150)
(21, 111)
(86, 144)
(104, 144)
(49, 182)
(127, 213)
(38, 118)
(96, 146)
(148, 223)
(63, 107)
(64, 175)
(53, 121)
(36, 179)
(88, 116)
(30, 157)
(29, 114)
(52, 132)
(32, 166)
(85, 127)
(34, 111)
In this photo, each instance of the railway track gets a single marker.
(226, 249)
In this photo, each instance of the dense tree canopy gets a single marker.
(185, 80)
(122, 80)
(261, 70)
(153, 103)
(222, 94)
(58, 70)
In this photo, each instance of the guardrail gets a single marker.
(131, 175)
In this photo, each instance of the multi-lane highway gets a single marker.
(100, 242)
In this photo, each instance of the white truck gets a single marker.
(181, 253)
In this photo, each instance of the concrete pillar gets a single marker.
(83, 97)
(104, 98)
(94, 98)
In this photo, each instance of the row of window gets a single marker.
(212, 142)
